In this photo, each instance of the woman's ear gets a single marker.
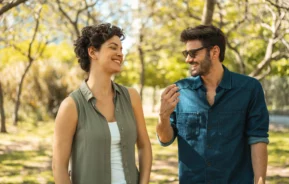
(93, 54)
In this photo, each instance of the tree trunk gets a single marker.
(17, 105)
(208, 12)
(141, 57)
(2, 112)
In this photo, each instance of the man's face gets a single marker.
(198, 57)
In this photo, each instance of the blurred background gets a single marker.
(38, 69)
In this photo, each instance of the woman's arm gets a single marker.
(65, 125)
(143, 141)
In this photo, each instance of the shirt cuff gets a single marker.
(167, 143)
(254, 140)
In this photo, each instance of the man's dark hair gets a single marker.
(94, 36)
(208, 35)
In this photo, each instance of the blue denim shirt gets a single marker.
(214, 141)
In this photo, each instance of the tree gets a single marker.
(2, 112)
(277, 47)
(31, 59)
(4, 8)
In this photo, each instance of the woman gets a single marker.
(98, 125)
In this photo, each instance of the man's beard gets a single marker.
(203, 68)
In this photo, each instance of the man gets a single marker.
(219, 117)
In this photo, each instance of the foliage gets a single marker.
(152, 26)
(248, 35)
(276, 93)
(47, 84)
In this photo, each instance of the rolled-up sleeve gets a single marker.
(258, 117)
(173, 124)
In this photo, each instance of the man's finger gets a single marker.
(169, 88)
(172, 92)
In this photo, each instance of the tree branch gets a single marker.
(10, 5)
(262, 76)
(79, 11)
(190, 14)
(235, 26)
(37, 17)
(278, 6)
(267, 59)
(238, 57)
(73, 23)
(221, 23)
(285, 43)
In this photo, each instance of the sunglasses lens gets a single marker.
(192, 54)
(185, 53)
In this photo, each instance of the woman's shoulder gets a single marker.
(68, 104)
(131, 91)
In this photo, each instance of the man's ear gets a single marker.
(93, 54)
(215, 52)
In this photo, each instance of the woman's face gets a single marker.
(110, 56)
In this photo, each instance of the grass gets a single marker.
(25, 156)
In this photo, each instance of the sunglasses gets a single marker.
(192, 52)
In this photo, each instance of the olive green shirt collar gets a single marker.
(86, 92)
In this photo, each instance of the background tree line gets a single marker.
(38, 68)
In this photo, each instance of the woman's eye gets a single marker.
(113, 48)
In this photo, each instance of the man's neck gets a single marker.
(214, 77)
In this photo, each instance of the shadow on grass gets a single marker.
(278, 180)
(31, 167)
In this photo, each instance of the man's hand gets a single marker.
(169, 100)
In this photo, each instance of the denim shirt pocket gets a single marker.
(231, 123)
(188, 125)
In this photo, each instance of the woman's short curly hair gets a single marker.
(94, 36)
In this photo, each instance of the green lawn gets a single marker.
(25, 156)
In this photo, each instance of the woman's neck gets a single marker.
(100, 84)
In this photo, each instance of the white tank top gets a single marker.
(117, 173)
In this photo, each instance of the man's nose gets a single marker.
(189, 59)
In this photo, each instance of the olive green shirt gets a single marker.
(90, 160)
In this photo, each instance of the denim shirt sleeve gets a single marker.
(258, 117)
(173, 124)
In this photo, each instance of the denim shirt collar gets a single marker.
(86, 92)
(225, 83)
(198, 83)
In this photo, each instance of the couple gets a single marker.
(219, 117)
